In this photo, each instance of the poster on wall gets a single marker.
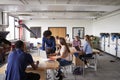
(78, 31)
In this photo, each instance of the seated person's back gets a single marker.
(18, 60)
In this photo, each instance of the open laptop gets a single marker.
(43, 54)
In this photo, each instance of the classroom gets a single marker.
(59, 39)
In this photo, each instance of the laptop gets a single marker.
(43, 54)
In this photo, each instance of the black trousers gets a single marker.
(32, 76)
(84, 57)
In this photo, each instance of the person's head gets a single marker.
(63, 42)
(19, 44)
(77, 38)
(67, 35)
(57, 37)
(47, 33)
(87, 38)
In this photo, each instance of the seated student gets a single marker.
(67, 38)
(18, 60)
(86, 52)
(64, 57)
(48, 42)
(76, 43)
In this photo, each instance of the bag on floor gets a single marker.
(78, 71)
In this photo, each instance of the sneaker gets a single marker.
(86, 66)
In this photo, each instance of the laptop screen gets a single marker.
(43, 54)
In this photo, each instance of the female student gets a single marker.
(64, 58)
(86, 51)
(76, 43)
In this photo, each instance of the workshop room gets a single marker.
(60, 40)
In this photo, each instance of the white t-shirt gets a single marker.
(67, 39)
(66, 53)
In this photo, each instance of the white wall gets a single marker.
(108, 24)
(44, 24)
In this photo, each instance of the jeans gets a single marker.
(83, 57)
(62, 62)
(31, 76)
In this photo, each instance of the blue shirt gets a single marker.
(48, 43)
(17, 63)
(87, 48)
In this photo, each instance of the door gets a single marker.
(58, 31)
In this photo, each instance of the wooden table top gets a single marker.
(72, 50)
(44, 64)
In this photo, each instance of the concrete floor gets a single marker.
(106, 70)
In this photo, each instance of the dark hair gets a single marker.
(57, 37)
(63, 42)
(19, 44)
(67, 35)
(47, 33)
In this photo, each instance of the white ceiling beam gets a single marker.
(21, 2)
(6, 2)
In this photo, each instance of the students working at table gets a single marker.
(18, 60)
(86, 51)
(64, 58)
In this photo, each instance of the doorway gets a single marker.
(58, 31)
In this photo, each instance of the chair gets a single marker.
(68, 66)
(92, 61)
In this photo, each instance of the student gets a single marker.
(67, 38)
(57, 38)
(77, 43)
(48, 42)
(18, 60)
(86, 51)
(64, 58)
(57, 43)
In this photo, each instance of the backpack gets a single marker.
(78, 71)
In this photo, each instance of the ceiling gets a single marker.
(59, 9)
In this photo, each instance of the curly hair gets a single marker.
(47, 33)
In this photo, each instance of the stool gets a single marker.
(69, 66)
(92, 61)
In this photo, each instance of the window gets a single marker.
(37, 31)
(11, 28)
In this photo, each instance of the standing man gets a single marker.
(48, 42)
(18, 60)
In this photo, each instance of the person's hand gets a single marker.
(52, 58)
(37, 62)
